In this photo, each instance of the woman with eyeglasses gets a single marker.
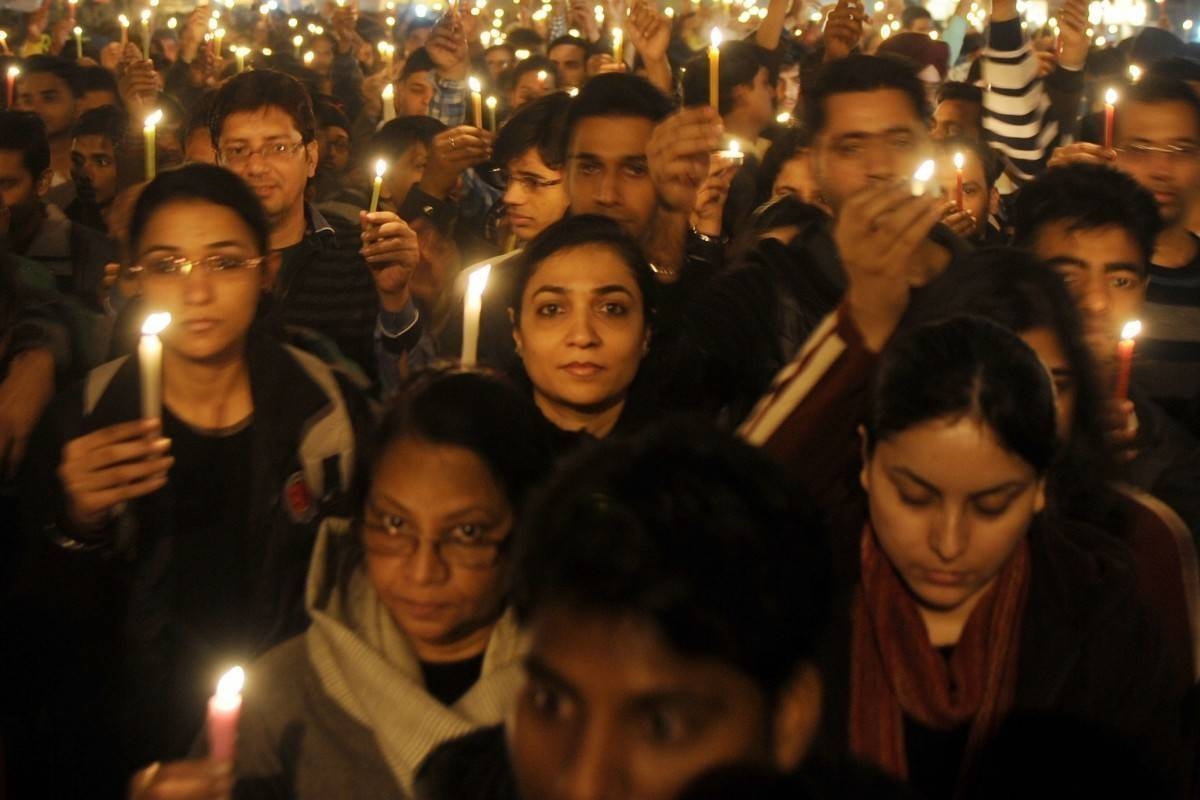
(192, 531)
(410, 643)
(532, 154)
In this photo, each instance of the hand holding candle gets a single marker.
(1110, 113)
(1125, 357)
(224, 707)
(472, 308)
(150, 352)
(380, 170)
(714, 69)
(959, 162)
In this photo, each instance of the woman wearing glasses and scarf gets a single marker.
(184, 540)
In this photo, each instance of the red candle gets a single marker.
(959, 163)
(1110, 114)
(1125, 357)
(223, 710)
(13, 72)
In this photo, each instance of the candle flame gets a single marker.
(230, 685)
(154, 118)
(78, 31)
(389, 91)
(925, 171)
(784, 118)
(959, 161)
(477, 281)
(1135, 73)
(1110, 97)
(145, 15)
(1132, 329)
(308, 57)
(156, 323)
(617, 35)
(573, 91)
(381, 167)
(734, 147)
(124, 20)
(474, 84)
(714, 38)
(220, 33)
(541, 76)
(491, 102)
(13, 72)
(522, 54)
(297, 40)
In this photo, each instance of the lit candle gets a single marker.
(922, 177)
(150, 363)
(1135, 73)
(146, 33)
(4, 41)
(472, 307)
(733, 155)
(78, 31)
(784, 118)
(218, 37)
(148, 132)
(714, 69)
(223, 710)
(1125, 357)
(491, 107)
(1110, 113)
(959, 163)
(240, 55)
(380, 169)
(71, 11)
(618, 37)
(309, 56)
(476, 99)
(124, 20)
(13, 72)
(389, 103)
(385, 55)
(297, 42)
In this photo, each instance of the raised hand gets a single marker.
(454, 151)
(678, 154)
(110, 466)
(843, 29)
(447, 47)
(1082, 153)
(391, 250)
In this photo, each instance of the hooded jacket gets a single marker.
(342, 710)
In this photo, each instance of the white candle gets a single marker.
(476, 99)
(224, 707)
(150, 364)
(472, 307)
(148, 133)
(146, 33)
(491, 107)
(380, 168)
(922, 177)
(389, 102)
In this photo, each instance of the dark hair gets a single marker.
(911, 14)
(25, 132)
(570, 41)
(107, 121)
(617, 94)
(859, 73)
(42, 64)
(500, 46)
(199, 117)
(525, 39)
(205, 183)
(397, 135)
(1180, 68)
(1009, 287)
(973, 42)
(1154, 89)
(740, 63)
(476, 410)
(263, 88)
(957, 90)
(539, 124)
(692, 531)
(419, 61)
(785, 147)
(982, 151)
(580, 231)
(534, 64)
(1087, 197)
(965, 368)
(96, 79)
(330, 115)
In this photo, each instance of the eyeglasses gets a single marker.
(530, 183)
(239, 154)
(466, 546)
(1173, 152)
(175, 267)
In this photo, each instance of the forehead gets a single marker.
(1169, 120)
(1109, 244)
(419, 78)
(870, 112)
(205, 223)
(611, 138)
(92, 143)
(566, 52)
(957, 110)
(334, 132)
(12, 164)
(960, 454)
(44, 82)
(530, 160)
(583, 268)
(262, 123)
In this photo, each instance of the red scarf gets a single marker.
(895, 670)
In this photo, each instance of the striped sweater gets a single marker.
(1168, 354)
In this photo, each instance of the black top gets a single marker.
(934, 757)
(449, 681)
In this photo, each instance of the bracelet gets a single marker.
(704, 237)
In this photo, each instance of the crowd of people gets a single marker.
(559, 402)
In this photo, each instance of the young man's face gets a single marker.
(532, 201)
(498, 59)
(1172, 178)
(757, 99)
(1103, 269)
(278, 180)
(530, 87)
(571, 62)
(322, 63)
(48, 96)
(976, 194)
(19, 193)
(607, 172)
(869, 137)
(414, 94)
(612, 710)
(94, 161)
(957, 119)
(334, 145)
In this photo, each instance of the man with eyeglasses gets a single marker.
(1157, 142)
(265, 132)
